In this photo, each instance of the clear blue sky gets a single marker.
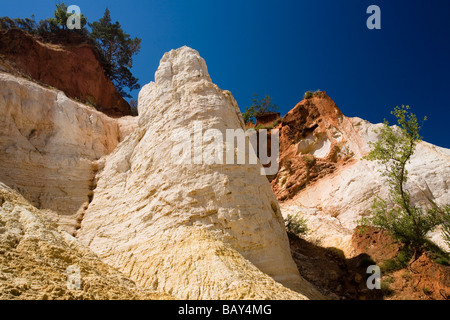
(284, 48)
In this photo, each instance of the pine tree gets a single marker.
(117, 49)
(60, 17)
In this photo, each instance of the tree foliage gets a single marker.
(27, 24)
(60, 17)
(259, 107)
(406, 222)
(446, 224)
(117, 48)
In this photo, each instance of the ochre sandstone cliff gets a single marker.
(50, 145)
(68, 63)
(37, 258)
(197, 231)
(146, 222)
(323, 178)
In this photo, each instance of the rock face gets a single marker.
(197, 231)
(423, 279)
(315, 139)
(37, 259)
(267, 118)
(323, 178)
(67, 63)
(50, 144)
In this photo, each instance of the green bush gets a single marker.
(296, 225)
(399, 262)
(437, 254)
(308, 95)
(442, 261)
(385, 287)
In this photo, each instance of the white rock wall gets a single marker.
(335, 204)
(194, 231)
(49, 145)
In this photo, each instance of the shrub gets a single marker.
(437, 254)
(296, 225)
(385, 286)
(442, 261)
(399, 262)
(308, 95)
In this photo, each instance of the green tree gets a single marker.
(406, 222)
(446, 224)
(249, 114)
(27, 24)
(259, 107)
(117, 49)
(60, 17)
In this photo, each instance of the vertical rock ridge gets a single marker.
(149, 214)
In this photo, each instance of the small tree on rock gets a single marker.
(406, 222)
(259, 108)
(296, 225)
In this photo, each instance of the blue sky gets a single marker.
(284, 48)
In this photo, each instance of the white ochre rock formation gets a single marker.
(50, 144)
(40, 261)
(195, 231)
(334, 204)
